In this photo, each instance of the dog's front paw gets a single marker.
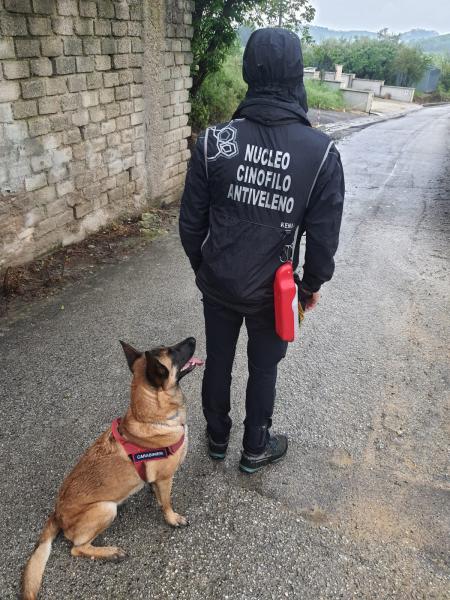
(175, 519)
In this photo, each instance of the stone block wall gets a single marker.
(93, 115)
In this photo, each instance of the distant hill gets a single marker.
(427, 39)
(439, 44)
(323, 33)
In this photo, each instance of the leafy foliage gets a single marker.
(321, 96)
(215, 25)
(220, 92)
(384, 58)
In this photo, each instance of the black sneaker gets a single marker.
(274, 451)
(216, 451)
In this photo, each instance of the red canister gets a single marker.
(286, 302)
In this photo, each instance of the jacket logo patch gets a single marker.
(226, 143)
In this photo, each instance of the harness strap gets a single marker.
(139, 455)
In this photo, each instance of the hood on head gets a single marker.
(273, 66)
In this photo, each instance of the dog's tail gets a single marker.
(32, 576)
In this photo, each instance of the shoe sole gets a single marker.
(251, 470)
(216, 455)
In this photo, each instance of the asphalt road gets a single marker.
(358, 508)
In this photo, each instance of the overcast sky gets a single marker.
(373, 15)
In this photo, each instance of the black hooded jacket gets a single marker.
(257, 183)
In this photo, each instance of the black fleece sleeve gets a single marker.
(322, 222)
(194, 213)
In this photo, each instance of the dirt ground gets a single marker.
(47, 275)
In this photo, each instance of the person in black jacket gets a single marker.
(254, 186)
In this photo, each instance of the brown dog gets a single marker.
(105, 476)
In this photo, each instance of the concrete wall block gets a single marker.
(136, 90)
(134, 28)
(65, 187)
(94, 81)
(89, 98)
(102, 27)
(119, 28)
(42, 162)
(121, 61)
(110, 79)
(122, 10)
(72, 46)
(136, 12)
(106, 95)
(23, 109)
(105, 9)
(67, 7)
(41, 67)
(103, 63)
(16, 69)
(137, 118)
(32, 88)
(38, 126)
(57, 173)
(60, 122)
(51, 46)
(124, 45)
(91, 45)
(81, 210)
(122, 92)
(13, 25)
(49, 105)
(72, 136)
(97, 114)
(85, 64)
(77, 83)
(90, 192)
(56, 85)
(91, 130)
(83, 26)
(126, 107)
(62, 25)
(26, 48)
(56, 207)
(97, 144)
(88, 8)
(34, 182)
(64, 65)
(137, 45)
(80, 118)
(70, 102)
(108, 126)
(7, 48)
(123, 122)
(125, 76)
(6, 114)
(115, 167)
(112, 110)
(43, 7)
(108, 46)
(39, 25)
(18, 6)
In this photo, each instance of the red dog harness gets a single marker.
(138, 455)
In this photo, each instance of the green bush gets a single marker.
(219, 94)
(321, 96)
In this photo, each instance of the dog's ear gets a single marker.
(131, 354)
(156, 372)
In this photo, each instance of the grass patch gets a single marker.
(321, 96)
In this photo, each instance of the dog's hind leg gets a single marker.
(90, 523)
(163, 489)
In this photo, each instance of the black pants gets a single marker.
(264, 350)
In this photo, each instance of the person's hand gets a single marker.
(312, 301)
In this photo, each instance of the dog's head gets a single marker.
(165, 366)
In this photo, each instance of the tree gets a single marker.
(215, 25)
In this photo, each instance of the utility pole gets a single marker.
(280, 13)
